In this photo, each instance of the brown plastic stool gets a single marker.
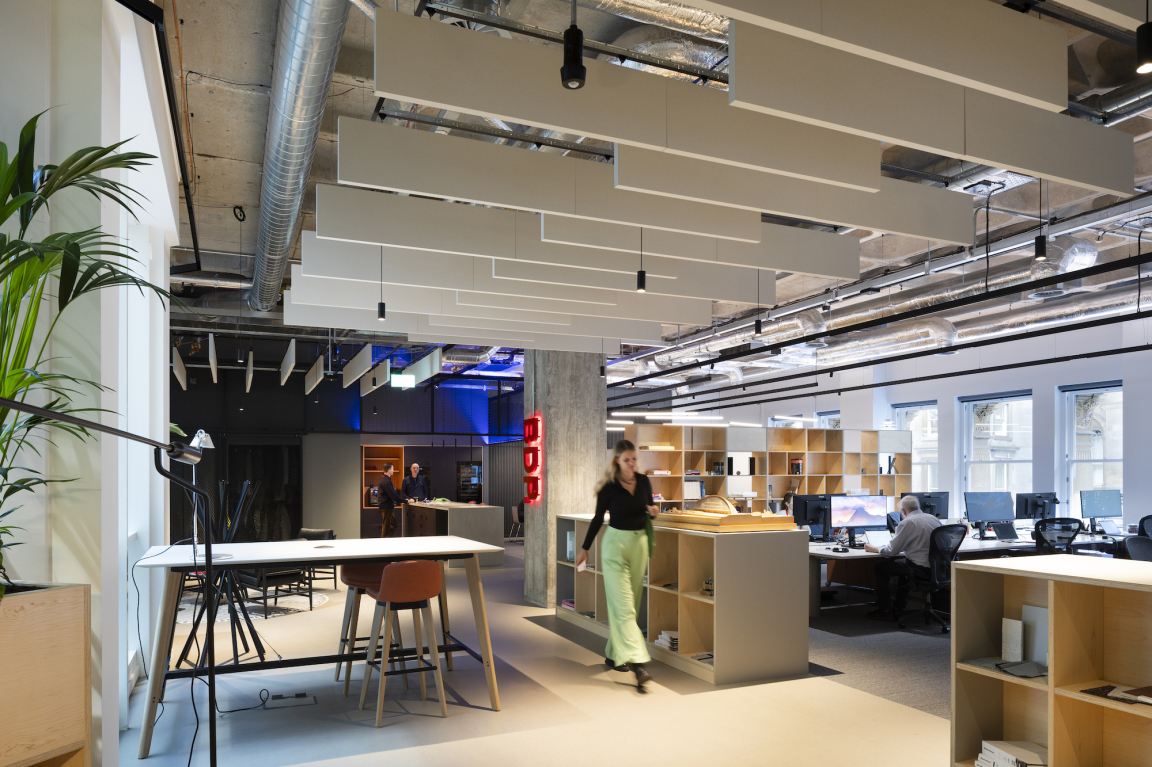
(358, 578)
(404, 586)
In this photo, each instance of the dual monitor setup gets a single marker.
(824, 513)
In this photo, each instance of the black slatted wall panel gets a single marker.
(505, 481)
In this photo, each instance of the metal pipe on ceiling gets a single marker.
(678, 18)
(307, 46)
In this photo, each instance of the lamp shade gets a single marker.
(573, 73)
(1144, 48)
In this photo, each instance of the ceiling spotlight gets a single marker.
(759, 326)
(1041, 248)
(380, 314)
(641, 281)
(573, 73)
(1144, 46)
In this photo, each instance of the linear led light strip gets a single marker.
(791, 418)
(620, 423)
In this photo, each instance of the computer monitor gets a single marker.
(934, 504)
(1036, 505)
(983, 508)
(859, 512)
(812, 510)
(1100, 503)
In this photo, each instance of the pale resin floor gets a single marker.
(559, 707)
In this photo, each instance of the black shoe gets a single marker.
(882, 615)
(610, 665)
(642, 676)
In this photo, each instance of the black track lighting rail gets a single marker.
(488, 130)
(623, 54)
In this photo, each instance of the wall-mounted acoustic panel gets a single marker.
(178, 369)
(1127, 14)
(836, 89)
(356, 367)
(986, 47)
(616, 104)
(425, 367)
(391, 158)
(900, 207)
(375, 218)
(630, 305)
(781, 248)
(288, 363)
(377, 377)
(315, 373)
(213, 361)
(248, 372)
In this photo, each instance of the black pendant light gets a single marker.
(573, 73)
(641, 277)
(380, 313)
(759, 324)
(1041, 239)
(1144, 45)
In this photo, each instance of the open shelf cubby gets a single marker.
(1099, 633)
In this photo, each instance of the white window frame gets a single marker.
(969, 405)
(899, 413)
(824, 419)
(1069, 393)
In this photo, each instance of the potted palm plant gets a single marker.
(45, 670)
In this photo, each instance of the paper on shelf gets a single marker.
(1012, 639)
(1035, 621)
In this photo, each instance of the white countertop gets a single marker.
(348, 549)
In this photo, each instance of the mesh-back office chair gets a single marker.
(1055, 535)
(893, 521)
(1144, 528)
(325, 572)
(1139, 548)
(942, 550)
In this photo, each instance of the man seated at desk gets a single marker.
(415, 487)
(905, 553)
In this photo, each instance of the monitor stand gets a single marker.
(982, 536)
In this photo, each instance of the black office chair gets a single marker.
(1055, 535)
(942, 550)
(325, 572)
(1139, 548)
(1144, 527)
(893, 520)
(517, 523)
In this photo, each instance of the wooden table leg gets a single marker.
(161, 647)
(443, 600)
(476, 590)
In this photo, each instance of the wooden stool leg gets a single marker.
(445, 627)
(420, 652)
(400, 645)
(370, 659)
(352, 638)
(427, 611)
(389, 615)
(348, 599)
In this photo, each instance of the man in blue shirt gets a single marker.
(415, 487)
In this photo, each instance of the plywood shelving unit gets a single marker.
(756, 625)
(1099, 633)
(832, 461)
(372, 460)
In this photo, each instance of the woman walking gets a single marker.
(624, 552)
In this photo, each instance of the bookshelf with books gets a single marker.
(736, 601)
(1099, 624)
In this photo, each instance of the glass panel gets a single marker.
(1001, 430)
(1093, 475)
(922, 422)
(1000, 477)
(1099, 425)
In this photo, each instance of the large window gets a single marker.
(920, 419)
(1094, 442)
(998, 445)
(828, 420)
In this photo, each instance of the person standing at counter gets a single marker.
(627, 496)
(415, 487)
(387, 498)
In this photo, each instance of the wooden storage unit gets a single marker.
(1099, 632)
(46, 676)
(372, 460)
(756, 625)
(476, 522)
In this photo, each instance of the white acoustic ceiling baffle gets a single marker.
(315, 373)
(378, 377)
(1127, 14)
(357, 215)
(248, 372)
(178, 369)
(974, 43)
(288, 363)
(617, 103)
(425, 367)
(398, 159)
(213, 363)
(781, 248)
(836, 89)
(352, 261)
(360, 364)
(900, 207)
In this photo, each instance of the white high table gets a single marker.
(300, 554)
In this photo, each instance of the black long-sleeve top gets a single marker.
(387, 497)
(627, 511)
(415, 488)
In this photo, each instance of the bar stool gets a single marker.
(404, 586)
(358, 578)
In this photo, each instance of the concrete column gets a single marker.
(566, 390)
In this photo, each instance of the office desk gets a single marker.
(299, 554)
(971, 548)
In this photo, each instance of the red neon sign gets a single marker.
(533, 459)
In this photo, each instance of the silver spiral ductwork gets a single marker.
(679, 18)
(463, 357)
(307, 45)
(670, 46)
